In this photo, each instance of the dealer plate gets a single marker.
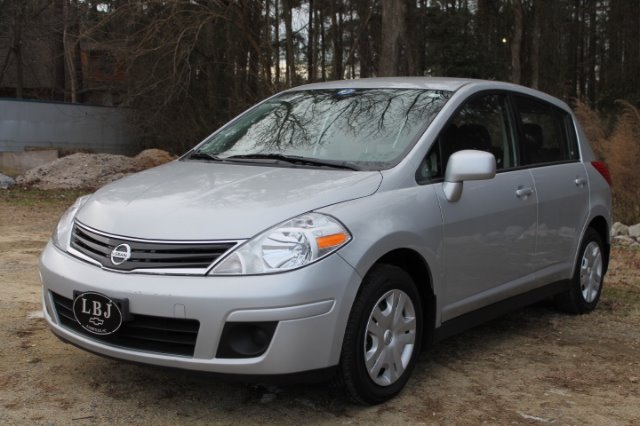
(97, 313)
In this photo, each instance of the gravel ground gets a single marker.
(534, 366)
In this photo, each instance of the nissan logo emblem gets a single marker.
(121, 254)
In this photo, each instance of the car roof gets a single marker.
(433, 83)
(436, 83)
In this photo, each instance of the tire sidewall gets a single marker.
(377, 283)
(582, 305)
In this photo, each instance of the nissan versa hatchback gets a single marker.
(337, 228)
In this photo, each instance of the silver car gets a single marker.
(337, 229)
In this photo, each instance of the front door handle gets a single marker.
(524, 192)
(580, 182)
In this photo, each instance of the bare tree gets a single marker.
(290, 71)
(535, 43)
(23, 24)
(311, 44)
(71, 41)
(516, 41)
(199, 62)
(393, 37)
(336, 31)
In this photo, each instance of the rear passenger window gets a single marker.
(483, 124)
(547, 133)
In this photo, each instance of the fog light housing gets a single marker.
(245, 339)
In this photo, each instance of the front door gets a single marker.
(490, 233)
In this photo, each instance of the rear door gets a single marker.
(548, 146)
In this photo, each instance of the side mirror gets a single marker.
(468, 164)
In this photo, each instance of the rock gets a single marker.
(623, 240)
(619, 229)
(6, 182)
(634, 231)
(635, 245)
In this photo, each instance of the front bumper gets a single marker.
(310, 305)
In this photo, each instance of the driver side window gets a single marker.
(483, 124)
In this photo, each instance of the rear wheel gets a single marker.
(383, 336)
(586, 285)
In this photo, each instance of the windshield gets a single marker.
(367, 129)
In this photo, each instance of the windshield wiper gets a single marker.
(201, 155)
(295, 159)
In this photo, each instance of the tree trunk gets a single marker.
(276, 38)
(254, 54)
(336, 23)
(535, 43)
(516, 42)
(17, 48)
(267, 44)
(582, 47)
(68, 51)
(632, 51)
(77, 57)
(409, 65)
(58, 50)
(393, 24)
(351, 72)
(290, 68)
(574, 51)
(365, 9)
(5, 65)
(592, 60)
(323, 47)
(209, 51)
(419, 37)
(311, 71)
(70, 37)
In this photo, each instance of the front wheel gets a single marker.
(383, 336)
(586, 284)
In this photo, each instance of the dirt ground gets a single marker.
(534, 366)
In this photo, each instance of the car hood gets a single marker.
(190, 200)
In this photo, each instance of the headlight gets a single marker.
(290, 245)
(62, 234)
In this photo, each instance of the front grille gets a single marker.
(147, 254)
(172, 336)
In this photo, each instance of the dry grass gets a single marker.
(620, 149)
(593, 126)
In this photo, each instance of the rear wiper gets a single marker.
(294, 159)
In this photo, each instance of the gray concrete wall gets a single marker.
(28, 124)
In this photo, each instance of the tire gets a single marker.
(586, 284)
(384, 326)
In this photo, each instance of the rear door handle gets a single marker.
(524, 192)
(580, 181)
